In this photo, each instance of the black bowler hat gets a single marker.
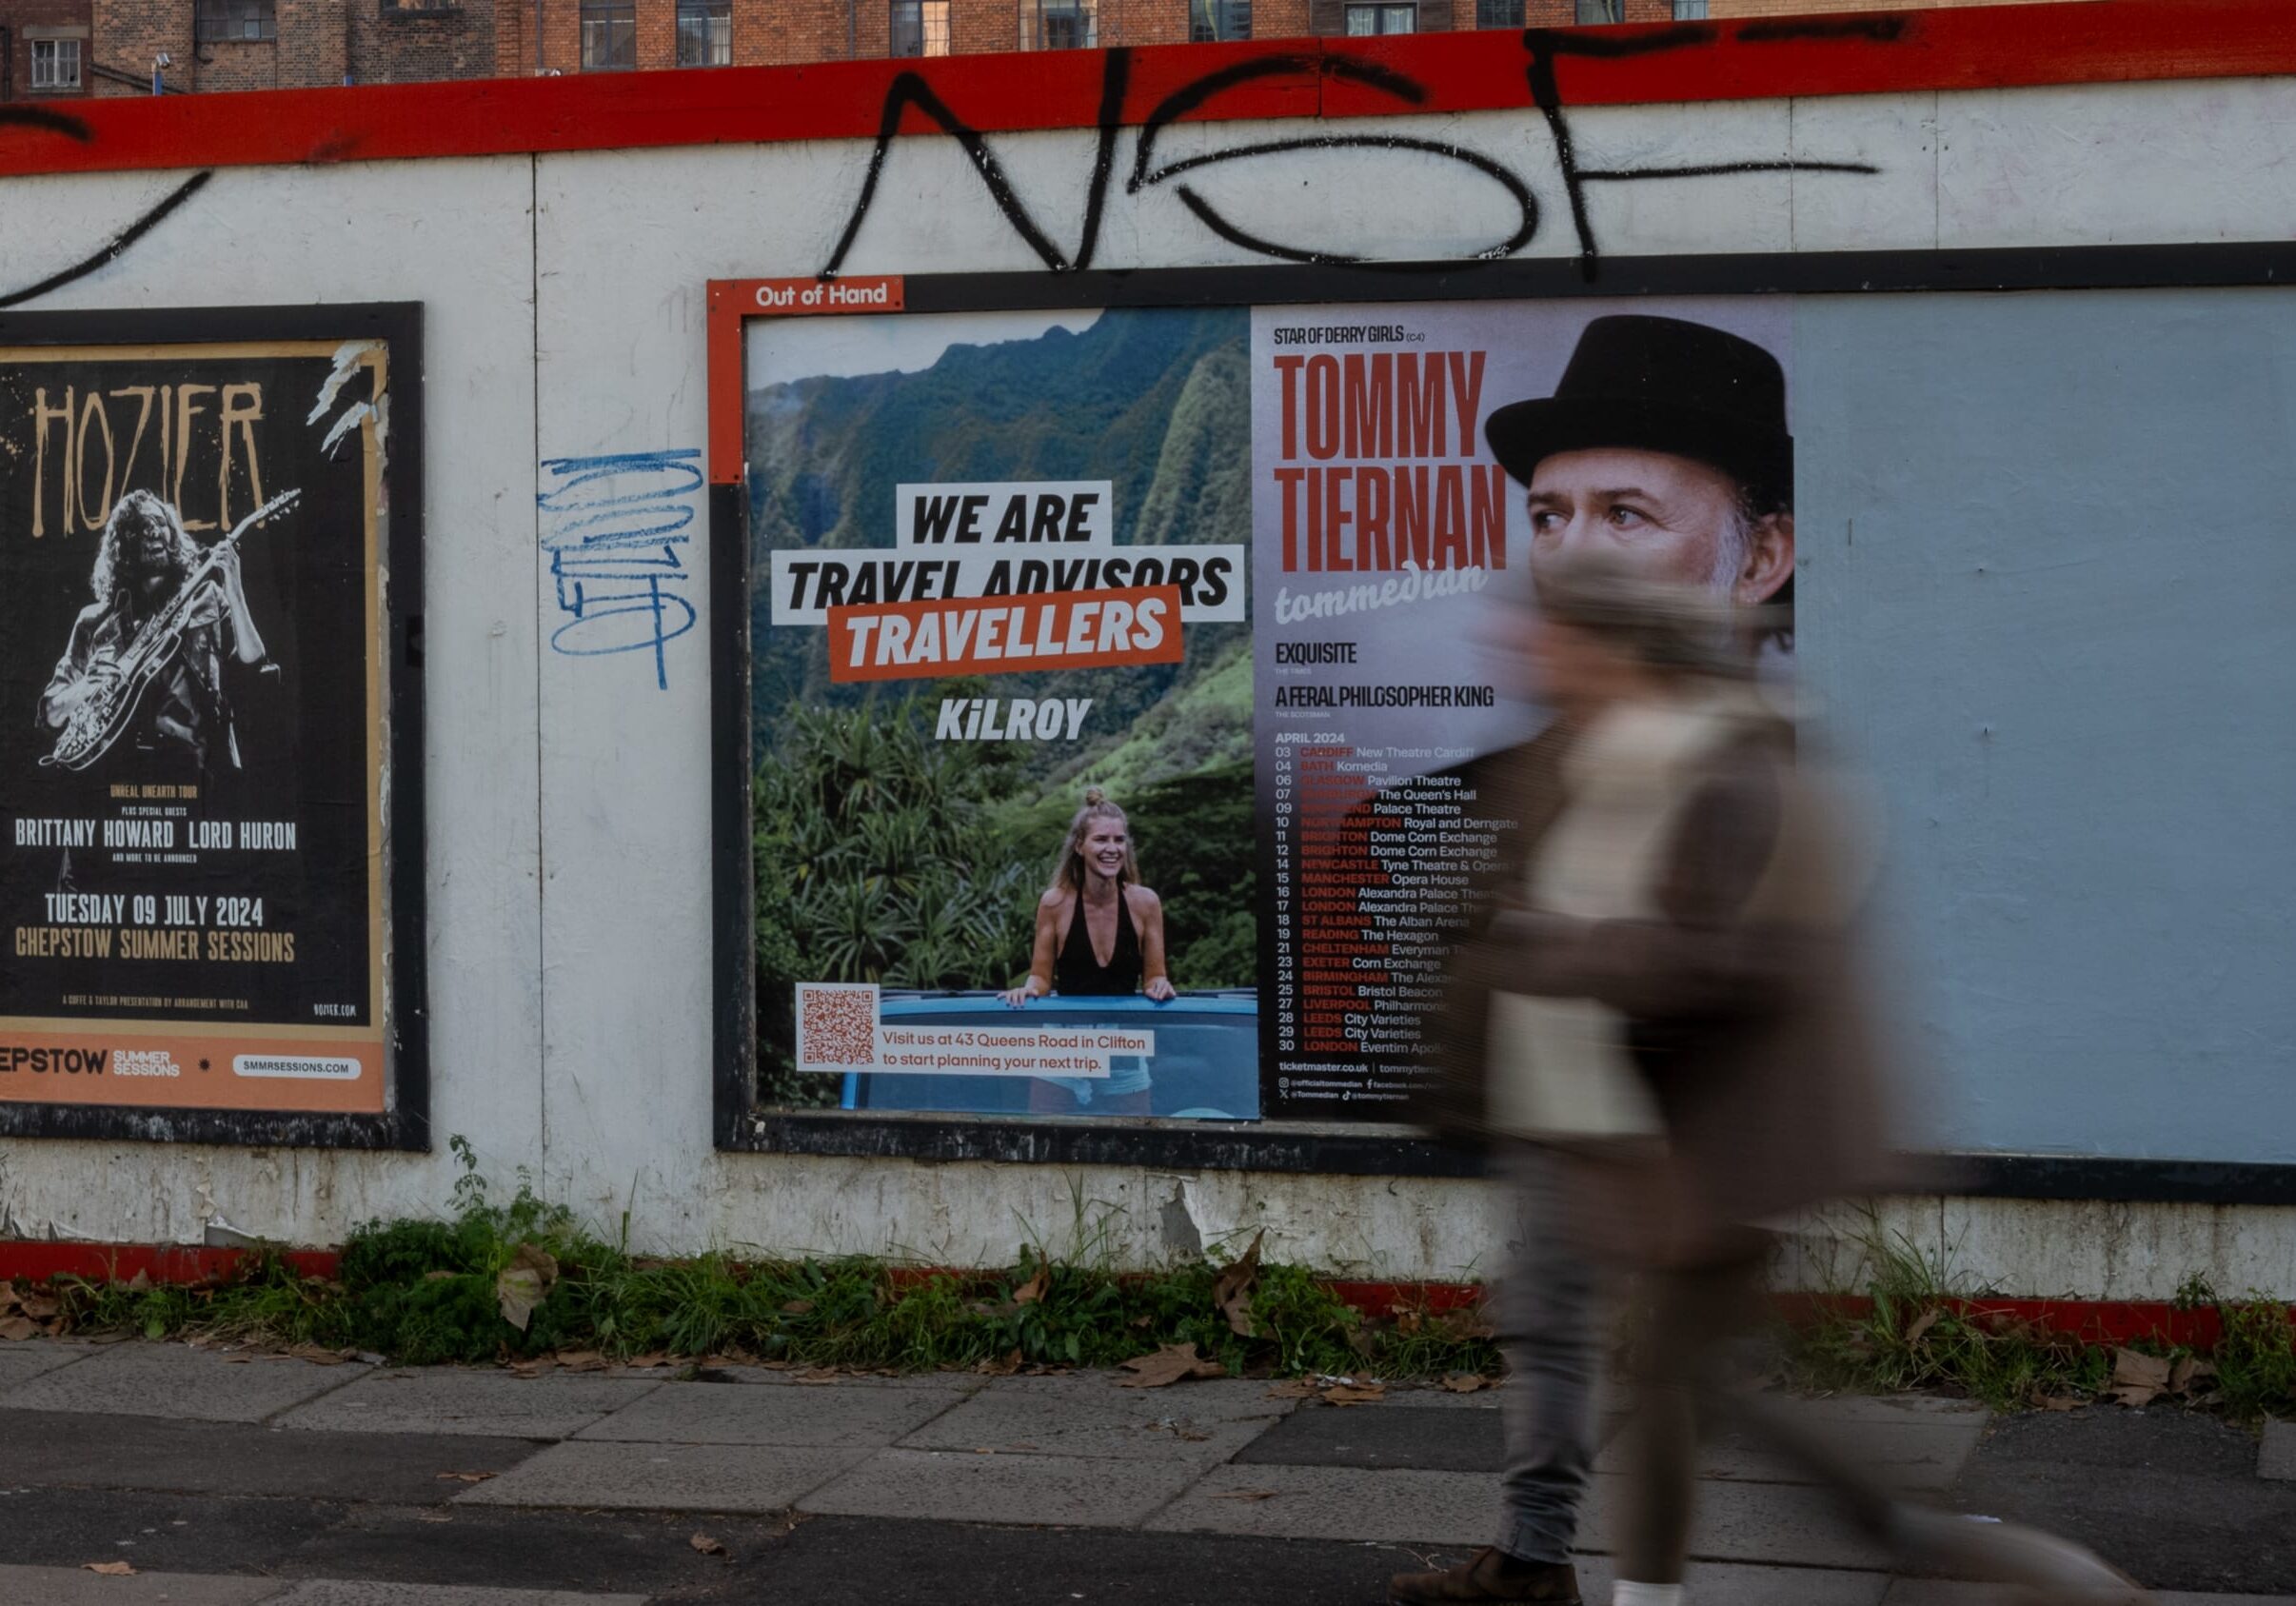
(1662, 384)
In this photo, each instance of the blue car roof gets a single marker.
(890, 1005)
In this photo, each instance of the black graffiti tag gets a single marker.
(1541, 47)
(74, 128)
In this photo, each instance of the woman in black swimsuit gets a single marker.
(1100, 934)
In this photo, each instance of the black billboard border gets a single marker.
(1338, 1149)
(405, 1126)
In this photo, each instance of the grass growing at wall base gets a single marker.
(1911, 1328)
(427, 1292)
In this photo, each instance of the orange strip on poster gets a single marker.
(1005, 635)
(155, 1069)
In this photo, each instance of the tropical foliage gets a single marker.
(876, 860)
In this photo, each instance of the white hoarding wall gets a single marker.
(568, 754)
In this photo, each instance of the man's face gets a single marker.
(1673, 518)
(148, 551)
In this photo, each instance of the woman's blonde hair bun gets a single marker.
(1093, 796)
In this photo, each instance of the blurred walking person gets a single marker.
(1660, 1033)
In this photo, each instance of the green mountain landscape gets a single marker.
(883, 855)
(1155, 400)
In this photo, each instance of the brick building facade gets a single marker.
(595, 36)
(290, 44)
(44, 52)
(277, 44)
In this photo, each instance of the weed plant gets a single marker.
(427, 1291)
(1913, 1328)
(423, 1292)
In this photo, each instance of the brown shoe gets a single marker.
(1490, 1574)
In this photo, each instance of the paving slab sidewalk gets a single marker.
(65, 1586)
(2276, 1457)
(492, 1404)
(177, 1380)
(1197, 1464)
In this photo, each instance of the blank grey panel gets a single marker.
(2048, 571)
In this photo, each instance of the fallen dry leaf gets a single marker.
(1171, 1364)
(40, 1307)
(2059, 1401)
(1231, 1289)
(797, 1307)
(582, 1360)
(466, 1477)
(1922, 1325)
(1469, 1322)
(706, 1545)
(1036, 1287)
(18, 1327)
(1355, 1393)
(646, 1362)
(140, 1282)
(318, 1355)
(524, 1283)
(1293, 1388)
(1000, 1366)
(1465, 1382)
(2138, 1379)
(109, 1569)
(9, 1296)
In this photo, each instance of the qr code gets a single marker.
(836, 1025)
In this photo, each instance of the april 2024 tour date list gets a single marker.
(1376, 848)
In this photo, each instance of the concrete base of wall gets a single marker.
(1366, 1229)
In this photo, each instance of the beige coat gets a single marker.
(1736, 991)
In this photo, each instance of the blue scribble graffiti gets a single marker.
(616, 528)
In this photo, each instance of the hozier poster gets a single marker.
(1125, 678)
(192, 871)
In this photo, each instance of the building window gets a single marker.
(1498, 14)
(705, 32)
(220, 20)
(1066, 24)
(1690, 10)
(609, 35)
(1365, 20)
(920, 28)
(56, 64)
(1601, 10)
(1211, 21)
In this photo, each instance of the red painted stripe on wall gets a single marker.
(2102, 41)
(2097, 1321)
(165, 1262)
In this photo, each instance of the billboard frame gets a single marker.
(405, 1125)
(1331, 1148)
